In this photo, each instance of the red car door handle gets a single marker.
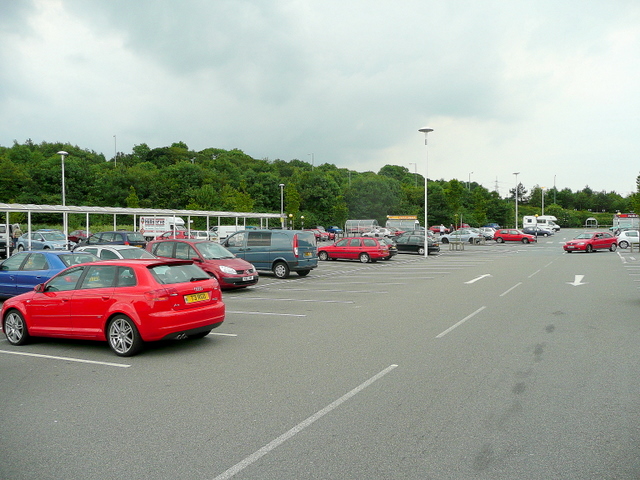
(106, 297)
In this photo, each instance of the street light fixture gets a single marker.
(282, 205)
(426, 131)
(469, 182)
(516, 174)
(301, 222)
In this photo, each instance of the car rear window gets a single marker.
(135, 237)
(168, 274)
(306, 239)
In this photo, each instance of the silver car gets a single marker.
(461, 235)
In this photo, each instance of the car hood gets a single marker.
(236, 263)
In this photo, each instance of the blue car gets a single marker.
(334, 229)
(44, 239)
(23, 271)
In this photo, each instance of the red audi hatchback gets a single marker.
(365, 249)
(123, 302)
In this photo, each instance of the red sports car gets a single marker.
(513, 235)
(590, 241)
(365, 249)
(123, 302)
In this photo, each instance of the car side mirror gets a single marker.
(197, 259)
(39, 288)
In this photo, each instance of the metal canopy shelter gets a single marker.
(115, 211)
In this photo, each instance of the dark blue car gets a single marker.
(23, 271)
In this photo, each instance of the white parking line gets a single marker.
(238, 467)
(326, 290)
(262, 299)
(266, 313)
(52, 357)
(516, 285)
(460, 322)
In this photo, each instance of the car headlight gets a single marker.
(225, 269)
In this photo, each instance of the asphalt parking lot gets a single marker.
(492, 362)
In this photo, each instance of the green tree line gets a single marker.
(230, 180)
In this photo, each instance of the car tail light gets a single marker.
(161, 294)
(295, 245)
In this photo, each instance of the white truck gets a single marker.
(541, 221)
(151, 227)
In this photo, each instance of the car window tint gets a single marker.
(370, 242)
(99, 276)
(14, 262)
(259, 239)
(342, 243)
(126, 277)
(36, 261)
(355, 242)
(107, 237)
(65, 281)
(402, 240)
(236, 240)
(108, 254)
(183, 250)
(91, 250)
(164, 249)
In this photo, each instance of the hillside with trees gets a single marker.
(229, 180)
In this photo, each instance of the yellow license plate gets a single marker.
(196, 297)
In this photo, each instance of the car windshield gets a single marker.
(76, 258)
(134, 253)
(53, 236)
(584, 235)
(213, 251)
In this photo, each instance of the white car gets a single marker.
(203, 235)
(379, 232)
(627, 237)
(115, 252)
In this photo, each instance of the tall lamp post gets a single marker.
(63, 154)
(415, 173)
(516, 174)
(426, 131)
(542, 189)
(282, 205)
(469, 182)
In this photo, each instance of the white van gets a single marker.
(151, 227)
(223, 231)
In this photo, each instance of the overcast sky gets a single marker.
(549, 89)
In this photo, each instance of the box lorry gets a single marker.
(151, 227)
